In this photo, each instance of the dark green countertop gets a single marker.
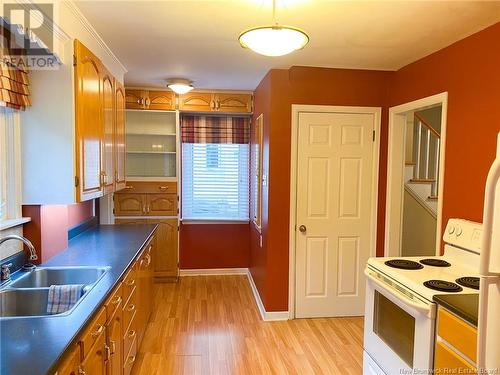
(463, 305)
(33, 346)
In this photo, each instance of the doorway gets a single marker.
(416, 145)
(333, 208)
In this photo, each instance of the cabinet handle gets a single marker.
(148, 257)
(108, 352)
(130, 360)
(113, 347)
(148, 208)
(144, 209)
(98, 331)
(131, 333)
(142, 101)
(116, 300)
(212, 104)
(148, 102)
(163, 188)
(217, 105)
(130, 282)
(130, 307)
(81, 371)
(128, 187)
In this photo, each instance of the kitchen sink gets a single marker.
(45, 277)
(23, 302)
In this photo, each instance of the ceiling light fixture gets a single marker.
(274, 40)
(180, 85)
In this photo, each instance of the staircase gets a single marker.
(422, 173)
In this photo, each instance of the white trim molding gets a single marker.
(296, 110)
(265, 315)
(395, 171)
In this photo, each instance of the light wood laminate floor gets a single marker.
(210, 325)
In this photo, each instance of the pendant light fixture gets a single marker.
(180, 85)
(273, 40)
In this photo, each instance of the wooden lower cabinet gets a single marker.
(109, 344)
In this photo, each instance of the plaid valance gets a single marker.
(215, 129)
(14, 81)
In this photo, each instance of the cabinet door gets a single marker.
(165, 252)
(161, 205)
(71, 364)
(135, 99)
(115, 344)
(197, 102)
(119, 136)
(88, 120)
(94, 363)
(108, 141)
(130, 204)
(238, 103)
(160, 100)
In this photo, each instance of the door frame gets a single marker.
(296, 110)
(395, 172)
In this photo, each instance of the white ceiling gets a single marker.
(156, 40)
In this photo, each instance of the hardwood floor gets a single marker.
(211, 325)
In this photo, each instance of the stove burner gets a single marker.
(443, 286)
(404, 264)
(435, 262)
(469, 282)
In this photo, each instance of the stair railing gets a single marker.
(427, 142)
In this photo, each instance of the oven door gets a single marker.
(399, 330)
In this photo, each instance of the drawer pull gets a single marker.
(148, 257)
(113, 346)
(81, 371)
(116, 300)
(98, 331)
(131, 334)
(130, 360)
(163, 188)
(130, 307)
(128, 187)
(130, 282)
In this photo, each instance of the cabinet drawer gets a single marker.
(168, 187)
(130, 335)
(129, 284)
(129, 359)
(93, 332)
(113, 303)
(449, 362)
(129, 310)
(458, 333)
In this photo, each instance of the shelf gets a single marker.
(151, 152)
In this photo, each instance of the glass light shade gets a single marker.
(274, 40)
(180, 88)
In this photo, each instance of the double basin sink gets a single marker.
(27, 294)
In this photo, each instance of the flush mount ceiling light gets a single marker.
(273, 40)
(180, 85)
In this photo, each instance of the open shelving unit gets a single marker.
(152, 145)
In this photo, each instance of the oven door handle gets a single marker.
(428, 310)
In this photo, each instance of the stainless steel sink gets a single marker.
(23, 302)
(45, 277)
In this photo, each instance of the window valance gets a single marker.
(214, 129)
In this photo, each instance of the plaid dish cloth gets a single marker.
(63, 297)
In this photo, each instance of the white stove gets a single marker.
(400, 312)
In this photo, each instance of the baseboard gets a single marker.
(267, 316)
(213, 271)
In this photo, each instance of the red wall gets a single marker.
(48, 228)
(274, 97)
(214, 246)
(468, 70)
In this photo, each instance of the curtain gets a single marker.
(212, 129)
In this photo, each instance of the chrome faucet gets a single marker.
(27, 242)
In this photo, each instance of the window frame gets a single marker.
(189, 221)
(256, 172)
(10, 168)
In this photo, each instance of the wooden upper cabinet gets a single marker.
(108, 141)
(160, 100)
(119, 136)
(135, 99)
(197, 102)
(237, 103)
(88, 120)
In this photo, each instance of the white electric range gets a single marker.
(400, 313)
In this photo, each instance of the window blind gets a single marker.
(215, 181)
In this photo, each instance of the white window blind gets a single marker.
(215, 181)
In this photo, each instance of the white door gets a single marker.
(334, 203)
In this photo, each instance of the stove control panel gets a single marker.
(464, 233)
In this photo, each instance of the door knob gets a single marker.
(302, 228)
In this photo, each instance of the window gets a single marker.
(215, 168)
(10, 173)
